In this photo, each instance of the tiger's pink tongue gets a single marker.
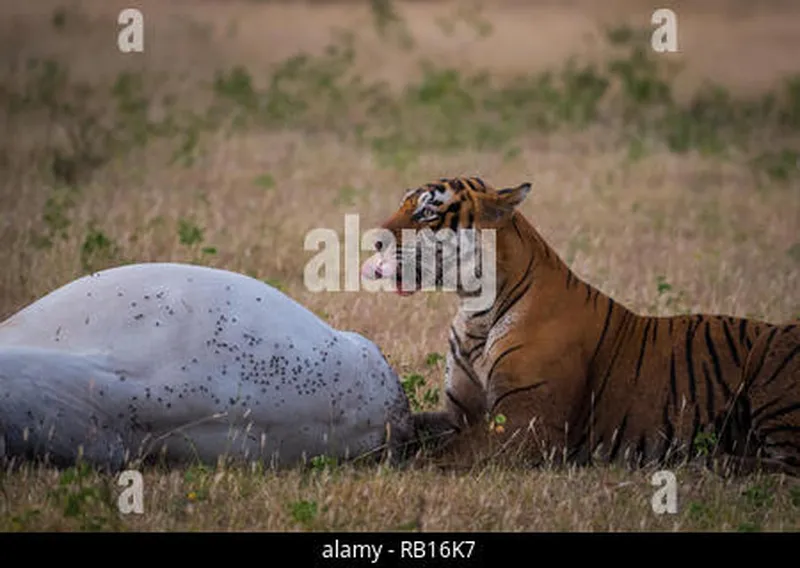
(377, 267)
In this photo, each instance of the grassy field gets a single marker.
(670, 181)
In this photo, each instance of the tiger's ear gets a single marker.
(513, 196)
(504, 201)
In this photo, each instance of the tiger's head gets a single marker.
(438, 235)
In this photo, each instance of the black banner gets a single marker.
(301, 550)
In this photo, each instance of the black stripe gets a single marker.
(477, 347)
(588, 293)
(544, 246)
(516, 229)
(742, 329)
(655, 329)
(765, 406)
(578, 445)
(467, 371)
(673, 384)
(671, 321)
(715, 361)
(689, 368)
(710, 409)
(783, 364)
(775, 414)
(782, 428)
(641, 448)
(669, 431)
(457, 349)
(731, 345)
(451, 397)
(624, 331)
(510, 301)
(486, 311)
(516, 391)
(641, 351)
(475, 353)
(509, 304)
(618, 436)
(569, 277)
(457, 184)
(454, 337)
(473, 315)
(454, 221)
(453, 207)
(500, 358)
(609, 311)
(764, 354)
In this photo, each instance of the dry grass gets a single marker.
(378, 499)
(724, 237)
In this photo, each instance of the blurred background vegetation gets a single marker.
(441, 109)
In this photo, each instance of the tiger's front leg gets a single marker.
(451, 432)
(529, 400)
(521, 431)
(465, 397)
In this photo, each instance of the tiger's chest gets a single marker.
(474, 345)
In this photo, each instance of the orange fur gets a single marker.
(578, 377)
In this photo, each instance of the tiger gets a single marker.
(564, 372)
